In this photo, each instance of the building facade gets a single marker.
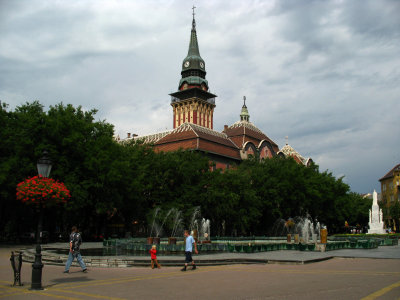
(390, 195)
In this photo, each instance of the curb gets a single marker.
(107, 262)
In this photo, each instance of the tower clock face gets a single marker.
(201, 64)
(187, 63)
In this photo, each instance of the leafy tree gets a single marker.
(122, 183)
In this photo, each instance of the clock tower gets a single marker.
(193, 103)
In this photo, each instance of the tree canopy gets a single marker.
(116, 187)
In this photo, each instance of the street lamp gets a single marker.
(44, 164)
(44, 167)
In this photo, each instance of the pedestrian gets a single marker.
(189, 249)
(75, 241)
(153, 255)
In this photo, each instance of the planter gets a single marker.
(172, 241)
(289, 238)
(195, 235)
(296, 238)
(149, 241)
(324, 236)
(156, 241)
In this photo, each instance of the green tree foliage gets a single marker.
(83, 152)
(287, 189)
(123, 183)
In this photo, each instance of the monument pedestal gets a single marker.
(375, 217)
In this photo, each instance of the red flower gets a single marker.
(41, 189)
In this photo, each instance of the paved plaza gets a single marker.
(340, 274)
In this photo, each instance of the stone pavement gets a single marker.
(348, 274)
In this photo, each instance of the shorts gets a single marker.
(188, 257)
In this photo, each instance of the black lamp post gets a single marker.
(44, 167)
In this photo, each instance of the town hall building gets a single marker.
(193, 122)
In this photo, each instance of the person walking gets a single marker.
(153, 254)
(189, 249)
(75, 241)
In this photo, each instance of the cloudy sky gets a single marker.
(324, 73)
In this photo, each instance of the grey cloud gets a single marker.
(326, 73)
(374, 19)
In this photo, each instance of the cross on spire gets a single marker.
(244, 100)
(193, 11)
(193, 22)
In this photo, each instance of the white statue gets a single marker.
(375, 217)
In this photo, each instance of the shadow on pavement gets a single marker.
(68, 280)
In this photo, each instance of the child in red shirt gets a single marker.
(153, 252)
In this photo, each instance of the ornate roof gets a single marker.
(193, 80)
(245, 124)
(289, 151)
(391, 174)
(244, 114)
(201, 132)
(193, 65)
(151, 138)
(242, 131)
(195, 137)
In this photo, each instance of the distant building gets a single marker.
(193, 121)
(390, 193)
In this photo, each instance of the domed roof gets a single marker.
(289, 151)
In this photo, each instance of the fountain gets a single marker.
(375, 217)
(205, 230)
(200, 228)
(303, 229)
(158, 228)
(298, 233)
(176, 227)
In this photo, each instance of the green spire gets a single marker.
(193, 45)
(193, 60)
(244, 114)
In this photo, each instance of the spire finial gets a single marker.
(244, 114)
(287, 140)
(193, 22)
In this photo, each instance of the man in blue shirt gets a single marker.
(189, 249)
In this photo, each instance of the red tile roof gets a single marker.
(192, 136)
(241, 128)
(206, 140)
(390, 174)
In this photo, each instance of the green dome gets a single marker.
(193, 80)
